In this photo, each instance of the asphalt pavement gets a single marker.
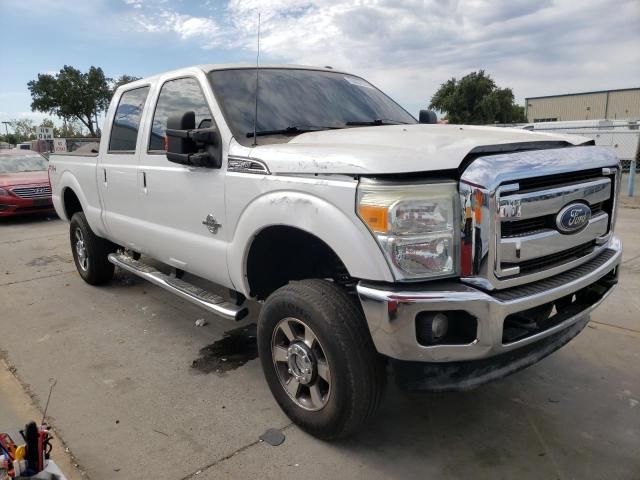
(129, 402)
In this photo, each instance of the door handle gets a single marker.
(143, 182)
(104, 174)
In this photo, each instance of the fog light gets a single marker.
(431, 327)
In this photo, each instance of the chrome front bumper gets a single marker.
(394, 334)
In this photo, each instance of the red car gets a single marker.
(24, 183)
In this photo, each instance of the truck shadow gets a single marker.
(451, 435)
(542, 422)
(513, 427)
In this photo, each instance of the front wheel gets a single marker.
(318, 358)
(90, 252)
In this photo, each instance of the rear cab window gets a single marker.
(126, 122)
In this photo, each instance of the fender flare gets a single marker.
(346, 236)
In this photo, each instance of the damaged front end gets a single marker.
(526, 286)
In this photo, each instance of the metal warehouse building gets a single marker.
(610, 104)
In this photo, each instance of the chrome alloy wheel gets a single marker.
(81, 251)
(301, 364)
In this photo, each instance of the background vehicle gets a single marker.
(456, 254)
(24, 183)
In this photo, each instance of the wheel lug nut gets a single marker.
(290, 371)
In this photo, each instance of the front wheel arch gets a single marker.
(343, 232)
(280, 254)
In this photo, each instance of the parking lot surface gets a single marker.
(130, 404)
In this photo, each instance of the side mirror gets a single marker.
(428, 116)
(188, 145)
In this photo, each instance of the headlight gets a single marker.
(414, 226)
(3, 192)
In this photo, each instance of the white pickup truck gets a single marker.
(449, 255)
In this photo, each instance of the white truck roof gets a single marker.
(208, 67)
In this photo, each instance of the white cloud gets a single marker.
(194, 27)
(409, 47)
(187, 27)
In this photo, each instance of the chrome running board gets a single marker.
(209, 301)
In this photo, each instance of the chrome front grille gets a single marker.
(516, 228)
(567, 178)
(553, 260)
(33, 191)
(511, 203)
(540, 207)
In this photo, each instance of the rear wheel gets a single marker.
(90, 252)
(318, 358)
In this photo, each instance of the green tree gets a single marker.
(122, 80)
(24, 130)
(476, 99)
(519, 115)
(70, 129)
(9, 138)
(72, 94)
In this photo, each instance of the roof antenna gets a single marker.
(255, 113)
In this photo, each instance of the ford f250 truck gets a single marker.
(445, 255)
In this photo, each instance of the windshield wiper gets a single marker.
(376, 122)
(291, 130)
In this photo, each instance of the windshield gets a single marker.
(22, 163)
(293, 101)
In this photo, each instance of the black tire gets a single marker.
(94, 266)
(357, 372)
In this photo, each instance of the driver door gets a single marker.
(176, 198)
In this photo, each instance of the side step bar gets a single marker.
(196, 295)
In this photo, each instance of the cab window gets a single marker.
(126, 123)
(177, 97)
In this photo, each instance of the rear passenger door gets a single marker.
(117, 172)
(177, 198)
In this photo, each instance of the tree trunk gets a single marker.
(88, 123)
(97, 127)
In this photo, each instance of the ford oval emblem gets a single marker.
(573, 218)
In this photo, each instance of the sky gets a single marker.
(406, 48)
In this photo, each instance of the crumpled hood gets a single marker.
(391, 149)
